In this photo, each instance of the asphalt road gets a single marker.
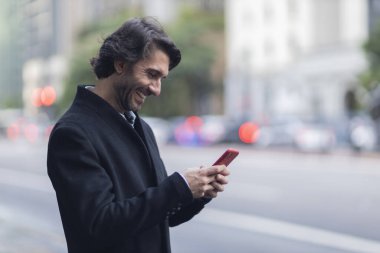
(275, 202)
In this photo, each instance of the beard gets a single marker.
(123, 94)
(130, 95)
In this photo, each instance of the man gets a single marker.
(112, 188)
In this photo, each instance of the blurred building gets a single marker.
(374, 14)
(10, 56)
(48, 29)
(167, 10)
(292, 57)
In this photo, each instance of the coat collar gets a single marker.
(85, 97)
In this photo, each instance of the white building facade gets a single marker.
(292, 57)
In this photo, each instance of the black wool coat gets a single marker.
(113, 192)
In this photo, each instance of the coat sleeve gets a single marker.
(187, 212)
(182, 212)
(85, 191)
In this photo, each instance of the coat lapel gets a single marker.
(151, 144)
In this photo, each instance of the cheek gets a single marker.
(122, 93)
(125, 88)
(127, 97)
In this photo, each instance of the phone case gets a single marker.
(228, 156)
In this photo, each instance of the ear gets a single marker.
(119, 66)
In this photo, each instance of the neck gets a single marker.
(103, 88)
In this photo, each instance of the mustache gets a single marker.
(125, 95)
(145, 91)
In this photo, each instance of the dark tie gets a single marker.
(130, 117)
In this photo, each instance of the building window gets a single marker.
(269, 48)
(294, 46)
(292, 9)
(268, 12)
(326, 22)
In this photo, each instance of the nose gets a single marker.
(155, 87)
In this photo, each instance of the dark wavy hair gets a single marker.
(132, 42)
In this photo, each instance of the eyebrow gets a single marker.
(157, 71)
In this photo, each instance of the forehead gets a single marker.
(157, 60)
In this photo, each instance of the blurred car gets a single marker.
(278, 132)
(199, 130)
(362, 133)
(7, 117)
(16, 126)
(160, 128)
(303, 135)
(213, 129)
(186, 131)
(315, 137)
(241, 131)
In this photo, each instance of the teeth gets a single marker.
(140, 94)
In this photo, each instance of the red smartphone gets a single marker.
(227, 157)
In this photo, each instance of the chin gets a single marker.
(136, 109)
(136, 106)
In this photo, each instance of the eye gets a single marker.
(152, 74)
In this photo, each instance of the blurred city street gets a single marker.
(277, 201)
(298, 95)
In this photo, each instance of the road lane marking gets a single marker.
(288, 230)
(26, 180)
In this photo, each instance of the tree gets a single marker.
(370, 79)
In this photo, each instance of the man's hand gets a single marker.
(206, 181)
(221, 179)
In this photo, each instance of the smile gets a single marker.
(140, 95)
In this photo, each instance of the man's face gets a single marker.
(141, 80)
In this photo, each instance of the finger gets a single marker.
(225, 171)
(210, 179)
(211, 194)
(208, 187)
(221, 179)
(217, 187)
(216, 178)
(213, 170)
